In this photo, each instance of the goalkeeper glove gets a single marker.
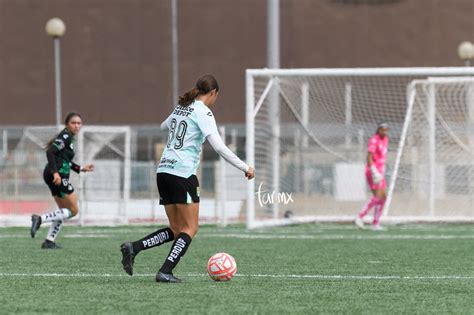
(376, 176)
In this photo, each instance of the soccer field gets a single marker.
(299, 269)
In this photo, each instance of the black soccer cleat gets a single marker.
(166, 277)
(128, 257)
(47, 244)
(35, 224)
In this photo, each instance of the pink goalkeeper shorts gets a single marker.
(372, 185)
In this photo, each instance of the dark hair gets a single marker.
(204, 85)
(68, 118)
(382, 124)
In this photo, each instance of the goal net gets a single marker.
(307, 132)
(434, 168)
(102, 196)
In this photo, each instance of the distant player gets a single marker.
(190, 124)
(375, 174)
(60, 152)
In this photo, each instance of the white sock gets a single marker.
(54, 229)
(60, 214)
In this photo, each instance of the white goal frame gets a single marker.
(103, 196)
(253, 106)
(430, 84)
(85, 215)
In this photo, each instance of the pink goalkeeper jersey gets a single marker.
(378, 147)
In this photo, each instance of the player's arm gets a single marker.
(218, 145)
(208, 126)
(77, 168)
(370, 158)
(165, 124)
(54, 148)
(376, 176)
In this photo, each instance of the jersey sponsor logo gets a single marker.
(65, 136)
(167, 163)
(59, 143)
(183, 111)
(209, 114)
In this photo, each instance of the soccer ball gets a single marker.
(221, 267)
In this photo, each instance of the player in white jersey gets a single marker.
(190, 124)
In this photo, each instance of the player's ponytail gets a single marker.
(188, 97)
(204, 85)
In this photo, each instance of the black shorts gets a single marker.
(174, 189)
(65, 188)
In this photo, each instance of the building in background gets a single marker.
(116, 56)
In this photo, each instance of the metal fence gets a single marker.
(102, 199)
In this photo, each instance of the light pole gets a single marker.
(273, 61)
(174, 52)
(55, 28)
(466, 52)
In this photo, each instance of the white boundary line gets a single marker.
(320, 277)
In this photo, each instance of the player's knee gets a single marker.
(191, 230)
(380, 195)
(74, 211)
(194, 231)
(175, 229)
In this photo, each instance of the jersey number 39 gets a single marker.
(179, 133)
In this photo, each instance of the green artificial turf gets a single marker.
(289, 270)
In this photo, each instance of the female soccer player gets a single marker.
(375, 174)
(60, 152)
(190, 124)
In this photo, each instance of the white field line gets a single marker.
(359, 236)
(317, 229)
(285, 231)
(92, 235)
(281, 276)
(280, 230)
(85, 235)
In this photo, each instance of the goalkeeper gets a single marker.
(374, 172)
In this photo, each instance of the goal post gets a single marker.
(437, 141)
(325, 119)
(103, 195)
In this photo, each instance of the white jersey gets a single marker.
(188, 128)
